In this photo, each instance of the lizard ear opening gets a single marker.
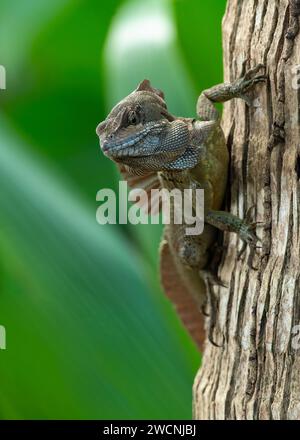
(145, 85)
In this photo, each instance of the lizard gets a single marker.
(155, 149)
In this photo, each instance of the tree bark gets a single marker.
(255, 373)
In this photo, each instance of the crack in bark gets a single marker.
(264, 11)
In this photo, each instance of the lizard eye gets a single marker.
(133, 118)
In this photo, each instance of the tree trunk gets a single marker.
(255, 373)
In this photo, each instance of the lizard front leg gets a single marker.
(225, 221)
(207, 111)
(226, 91)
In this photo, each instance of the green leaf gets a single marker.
(55, 85)
(199, 35)
(85, 337)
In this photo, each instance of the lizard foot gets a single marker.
(241, 86)
(247, 234)
(228, 222)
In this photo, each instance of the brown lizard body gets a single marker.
(156, 149)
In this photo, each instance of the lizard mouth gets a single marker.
(134, 153)
(134, 147)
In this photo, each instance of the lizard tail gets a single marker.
(178, 292)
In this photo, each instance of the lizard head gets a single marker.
(141, 133)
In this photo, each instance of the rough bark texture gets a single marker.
(255, 374)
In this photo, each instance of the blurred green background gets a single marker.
(89, 332)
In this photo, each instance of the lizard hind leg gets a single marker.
(194, 255)
(212, 303)
(191, 254)
(212, 280)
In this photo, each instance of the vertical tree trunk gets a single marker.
(255, 373)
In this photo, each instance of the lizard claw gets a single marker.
(213, 307)
(254, 71)
(250, 227)
(210, 338)
(242, 251)
(213, 278)
(203, 311)
(247, 234)
(247, 82)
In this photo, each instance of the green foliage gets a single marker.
(89, 333)
(83, 328)
(199, 34)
